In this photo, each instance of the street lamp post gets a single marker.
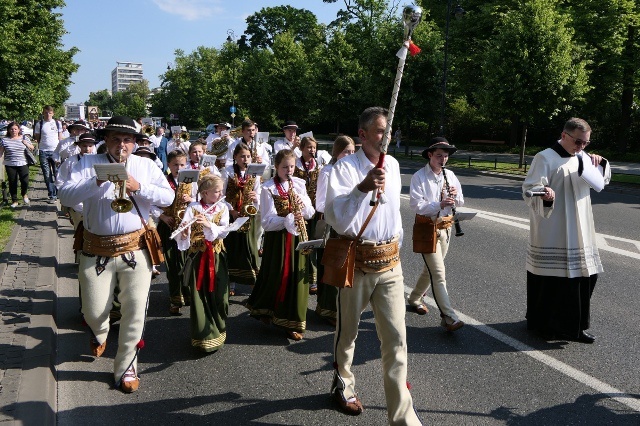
(458, 12)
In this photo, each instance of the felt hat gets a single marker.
(119, 124)
(224, 124)
(441, 143)
(85, 137)
(289, 124)
(145, 151)
(79, 124)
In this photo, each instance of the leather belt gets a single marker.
(113, 245)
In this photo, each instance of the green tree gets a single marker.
(532, 69)
(103, 100)
(35, 70)
(265, 25)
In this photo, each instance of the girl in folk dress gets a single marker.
(326, 306)
(281, 292)
(209, 277)
(308, 168)
(242, 191)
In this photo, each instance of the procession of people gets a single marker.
(222, 223)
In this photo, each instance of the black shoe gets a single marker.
(585, 337)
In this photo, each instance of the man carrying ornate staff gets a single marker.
(114, 250)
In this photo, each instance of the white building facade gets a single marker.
(124, 74)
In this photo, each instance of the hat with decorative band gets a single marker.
(145, 151)
(224, 124)
(85, 137)
(439, 143)
(120, 124)
(79, 125)
(289, 124)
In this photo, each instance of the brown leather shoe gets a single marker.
(352, 407)
(130, 381)
(97, 349)
(294, 335)
(421, 309)
(453, 326)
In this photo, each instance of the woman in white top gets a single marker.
(15, 162)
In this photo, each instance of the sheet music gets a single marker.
(306, 134)
(262, 137)
(313, 244)
(256, 168)
(236, 224)
(465, 215)
(594, 176)
(208, 160)
(188, 176)
(113, 172)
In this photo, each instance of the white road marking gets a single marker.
(523, 223)
(577, 375)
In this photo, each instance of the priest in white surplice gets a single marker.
(562, 259)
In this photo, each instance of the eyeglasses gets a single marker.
(578, 141)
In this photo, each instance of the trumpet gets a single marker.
(186, 225)
(148, 130)
(184, 136)
(121, 204)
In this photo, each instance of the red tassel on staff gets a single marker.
(413, 48)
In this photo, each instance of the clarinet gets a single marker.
(456, 221)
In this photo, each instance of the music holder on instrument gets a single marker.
(188, 176)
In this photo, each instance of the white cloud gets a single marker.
(190, 10)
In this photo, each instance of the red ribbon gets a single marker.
(207, 261)
(286, 270)
(413, 48)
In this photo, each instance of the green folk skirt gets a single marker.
(209, 309)
(285, 305)
(242, 252)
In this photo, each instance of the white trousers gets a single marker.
(97, 295)
(385, 292)
(434, 275)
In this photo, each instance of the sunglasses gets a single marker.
(578, 141)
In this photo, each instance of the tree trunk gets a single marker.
(523, 144)
(627, 91)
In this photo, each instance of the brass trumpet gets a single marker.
(121, 204)
(148, 130)
(184, 136)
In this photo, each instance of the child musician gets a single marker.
(242, 192)
(308, 169)
(208, 275)
(168, 220)
(327, 294)
(281, 292)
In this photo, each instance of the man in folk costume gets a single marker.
(434, 192)
(290, 141)
(563, 262)
(114, 251)
(259, 154)
(378, 276)
(177, 142)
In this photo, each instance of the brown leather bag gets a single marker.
(339, 258)
(151, 239)
(424, 235)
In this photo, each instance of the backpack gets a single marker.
(42, 124)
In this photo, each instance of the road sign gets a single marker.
(233, 115)
(171, 117)
(232, 109)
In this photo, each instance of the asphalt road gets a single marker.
(490, 372)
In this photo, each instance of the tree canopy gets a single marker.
(35, 70)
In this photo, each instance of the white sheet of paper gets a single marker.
(188, 175)
(175, 130)
(113, 172)
(465, 215)
(208, 160)
(236, 224)
(313, 244)
(594, 176)
(256, 169)
(306, 134)
(262, 137)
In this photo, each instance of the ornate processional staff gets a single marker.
(411, 16)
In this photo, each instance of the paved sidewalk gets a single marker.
(27, 328)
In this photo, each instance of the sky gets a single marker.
(149, 31)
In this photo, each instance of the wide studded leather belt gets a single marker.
(377, 258)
